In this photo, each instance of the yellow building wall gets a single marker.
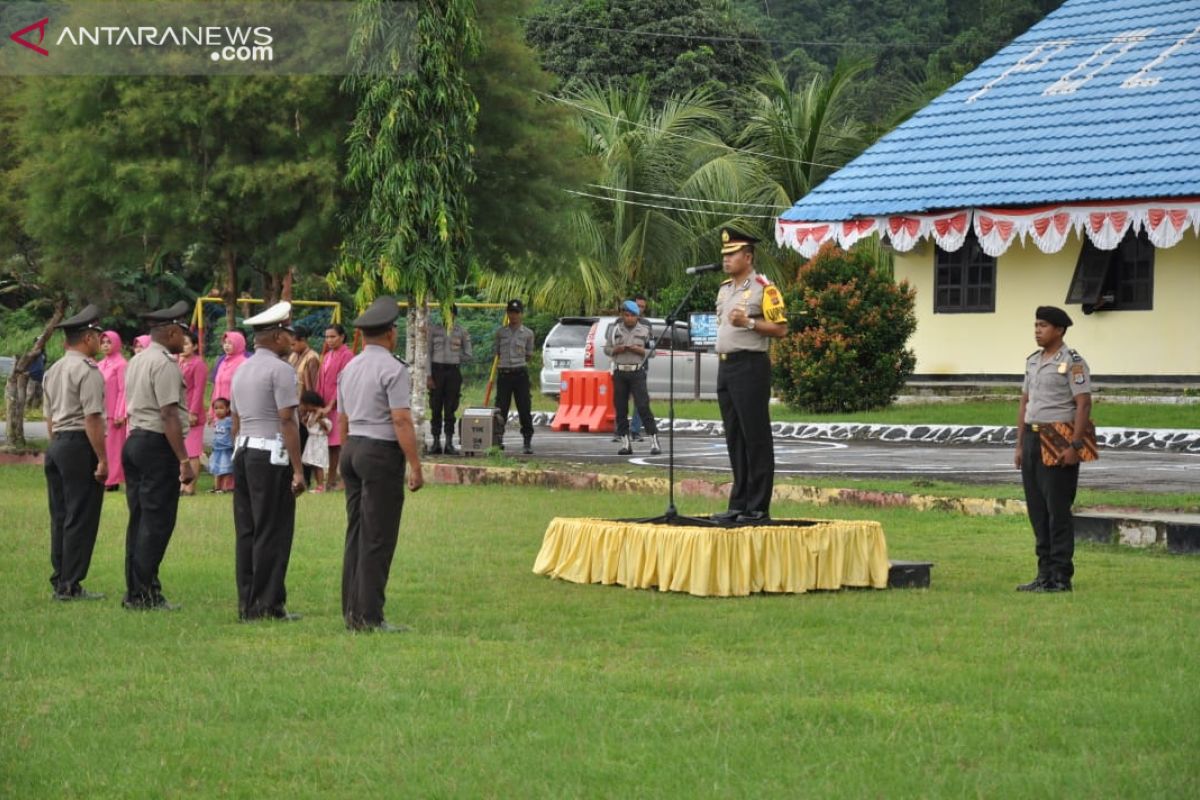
(1164, 341)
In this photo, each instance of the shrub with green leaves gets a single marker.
(850, 324)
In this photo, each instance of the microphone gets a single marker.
(700, 270)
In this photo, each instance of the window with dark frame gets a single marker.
(1115, 280)
(965, 280)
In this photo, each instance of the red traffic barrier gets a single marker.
(585, 402)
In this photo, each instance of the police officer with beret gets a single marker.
(750, 313)
(449, 346)
(1057, 388)
(155, 456)
(267, 473)
(378, 435)
(627, 344)
(514, 349)
(76, 463)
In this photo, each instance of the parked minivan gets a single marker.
(578, 343)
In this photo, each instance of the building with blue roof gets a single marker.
(1065, 170)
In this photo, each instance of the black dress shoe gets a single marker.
(450, 450)
(435, 450)
(1034, 585)
(378, 627)
(753, 517)
(727, 516)
(1054, 586)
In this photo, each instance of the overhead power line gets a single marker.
(688, 199)
(725, 214)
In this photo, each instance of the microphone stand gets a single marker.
(671, 516)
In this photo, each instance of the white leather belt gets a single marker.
(255, 443)
(629, 367)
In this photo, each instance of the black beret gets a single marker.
(84, 319)
(516, 307)
(175, 315)
(379, 314)
(1055, 316)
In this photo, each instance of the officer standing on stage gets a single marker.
(267, 473)
(76, 464)
(155, 456)
(627, 345)
(750, 312)
(1057, 388)
(514, 349)
(374, 394)
(447, 350)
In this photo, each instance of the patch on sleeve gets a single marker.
(772, 304)
(1078, 374)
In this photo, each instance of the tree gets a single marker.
(677, 45)
(848, 352)
(409, 163)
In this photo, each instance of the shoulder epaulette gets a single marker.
(90, 363)
(727, 281)
(401, 360)
(1074, 355)
(1034, 353)
(763, 280)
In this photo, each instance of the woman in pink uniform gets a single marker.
(337, 356)
(112, 367)
(234, 345)
(195, 375)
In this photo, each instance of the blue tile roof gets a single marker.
(1018, 142)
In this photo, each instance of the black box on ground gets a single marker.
(909, 574)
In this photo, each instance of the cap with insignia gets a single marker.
(380, 314)
(277, 317)
(515, 307)
(175, 315)
(733, 240)
(1055, 316)
(84, 319)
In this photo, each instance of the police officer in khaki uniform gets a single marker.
(447, 350)
(514, 348)
(627, 344)
(76, 463)
(1057, 388)
(750, 313)
(154, 457)
(267, 473)
(374, 394)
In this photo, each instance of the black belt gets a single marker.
(145, 432)
(743, 355)
(443, 365)
(1034, 427)
(70, 434)
(390, 443)
(512, 370)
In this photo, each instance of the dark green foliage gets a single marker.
(850, 325)
(617, 41)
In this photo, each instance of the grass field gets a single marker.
(516, 685)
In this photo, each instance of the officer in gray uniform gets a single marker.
(267, 473)
(750, 313)
(1057, 388)
(628, 343)
(154, 457)
(514, 349)
(76, 464)
(447, 350)
(378, 435)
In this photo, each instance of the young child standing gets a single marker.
(220, 463)
(316, 449)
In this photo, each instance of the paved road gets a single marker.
(1138, 470)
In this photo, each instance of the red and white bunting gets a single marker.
(1105, 224)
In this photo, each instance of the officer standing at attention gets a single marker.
(76, 463)
(514, 348)
(1057, 388)
(447, 350)
(374, 393)
(750, 312)
(267, 473)
(155, 456)
(628, 342)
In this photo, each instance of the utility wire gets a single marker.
(725, 214)
(687, 199)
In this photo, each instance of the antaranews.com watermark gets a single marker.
(203, 38)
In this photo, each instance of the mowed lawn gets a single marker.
(515, 685)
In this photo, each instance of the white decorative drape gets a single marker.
(1105, 224)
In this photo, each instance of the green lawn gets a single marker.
(516, 685)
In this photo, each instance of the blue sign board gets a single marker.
(703, 326)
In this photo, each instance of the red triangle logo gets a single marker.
(40, 27)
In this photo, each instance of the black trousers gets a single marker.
(1049, 495)
(152, 494)
(264, 517)
(514, 383)
(75, 501)
(373, 470)
(444, 398)
(624, 385)
(744, 396)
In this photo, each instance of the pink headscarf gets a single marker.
(142, 341)
(112, 367)
(223, 382)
